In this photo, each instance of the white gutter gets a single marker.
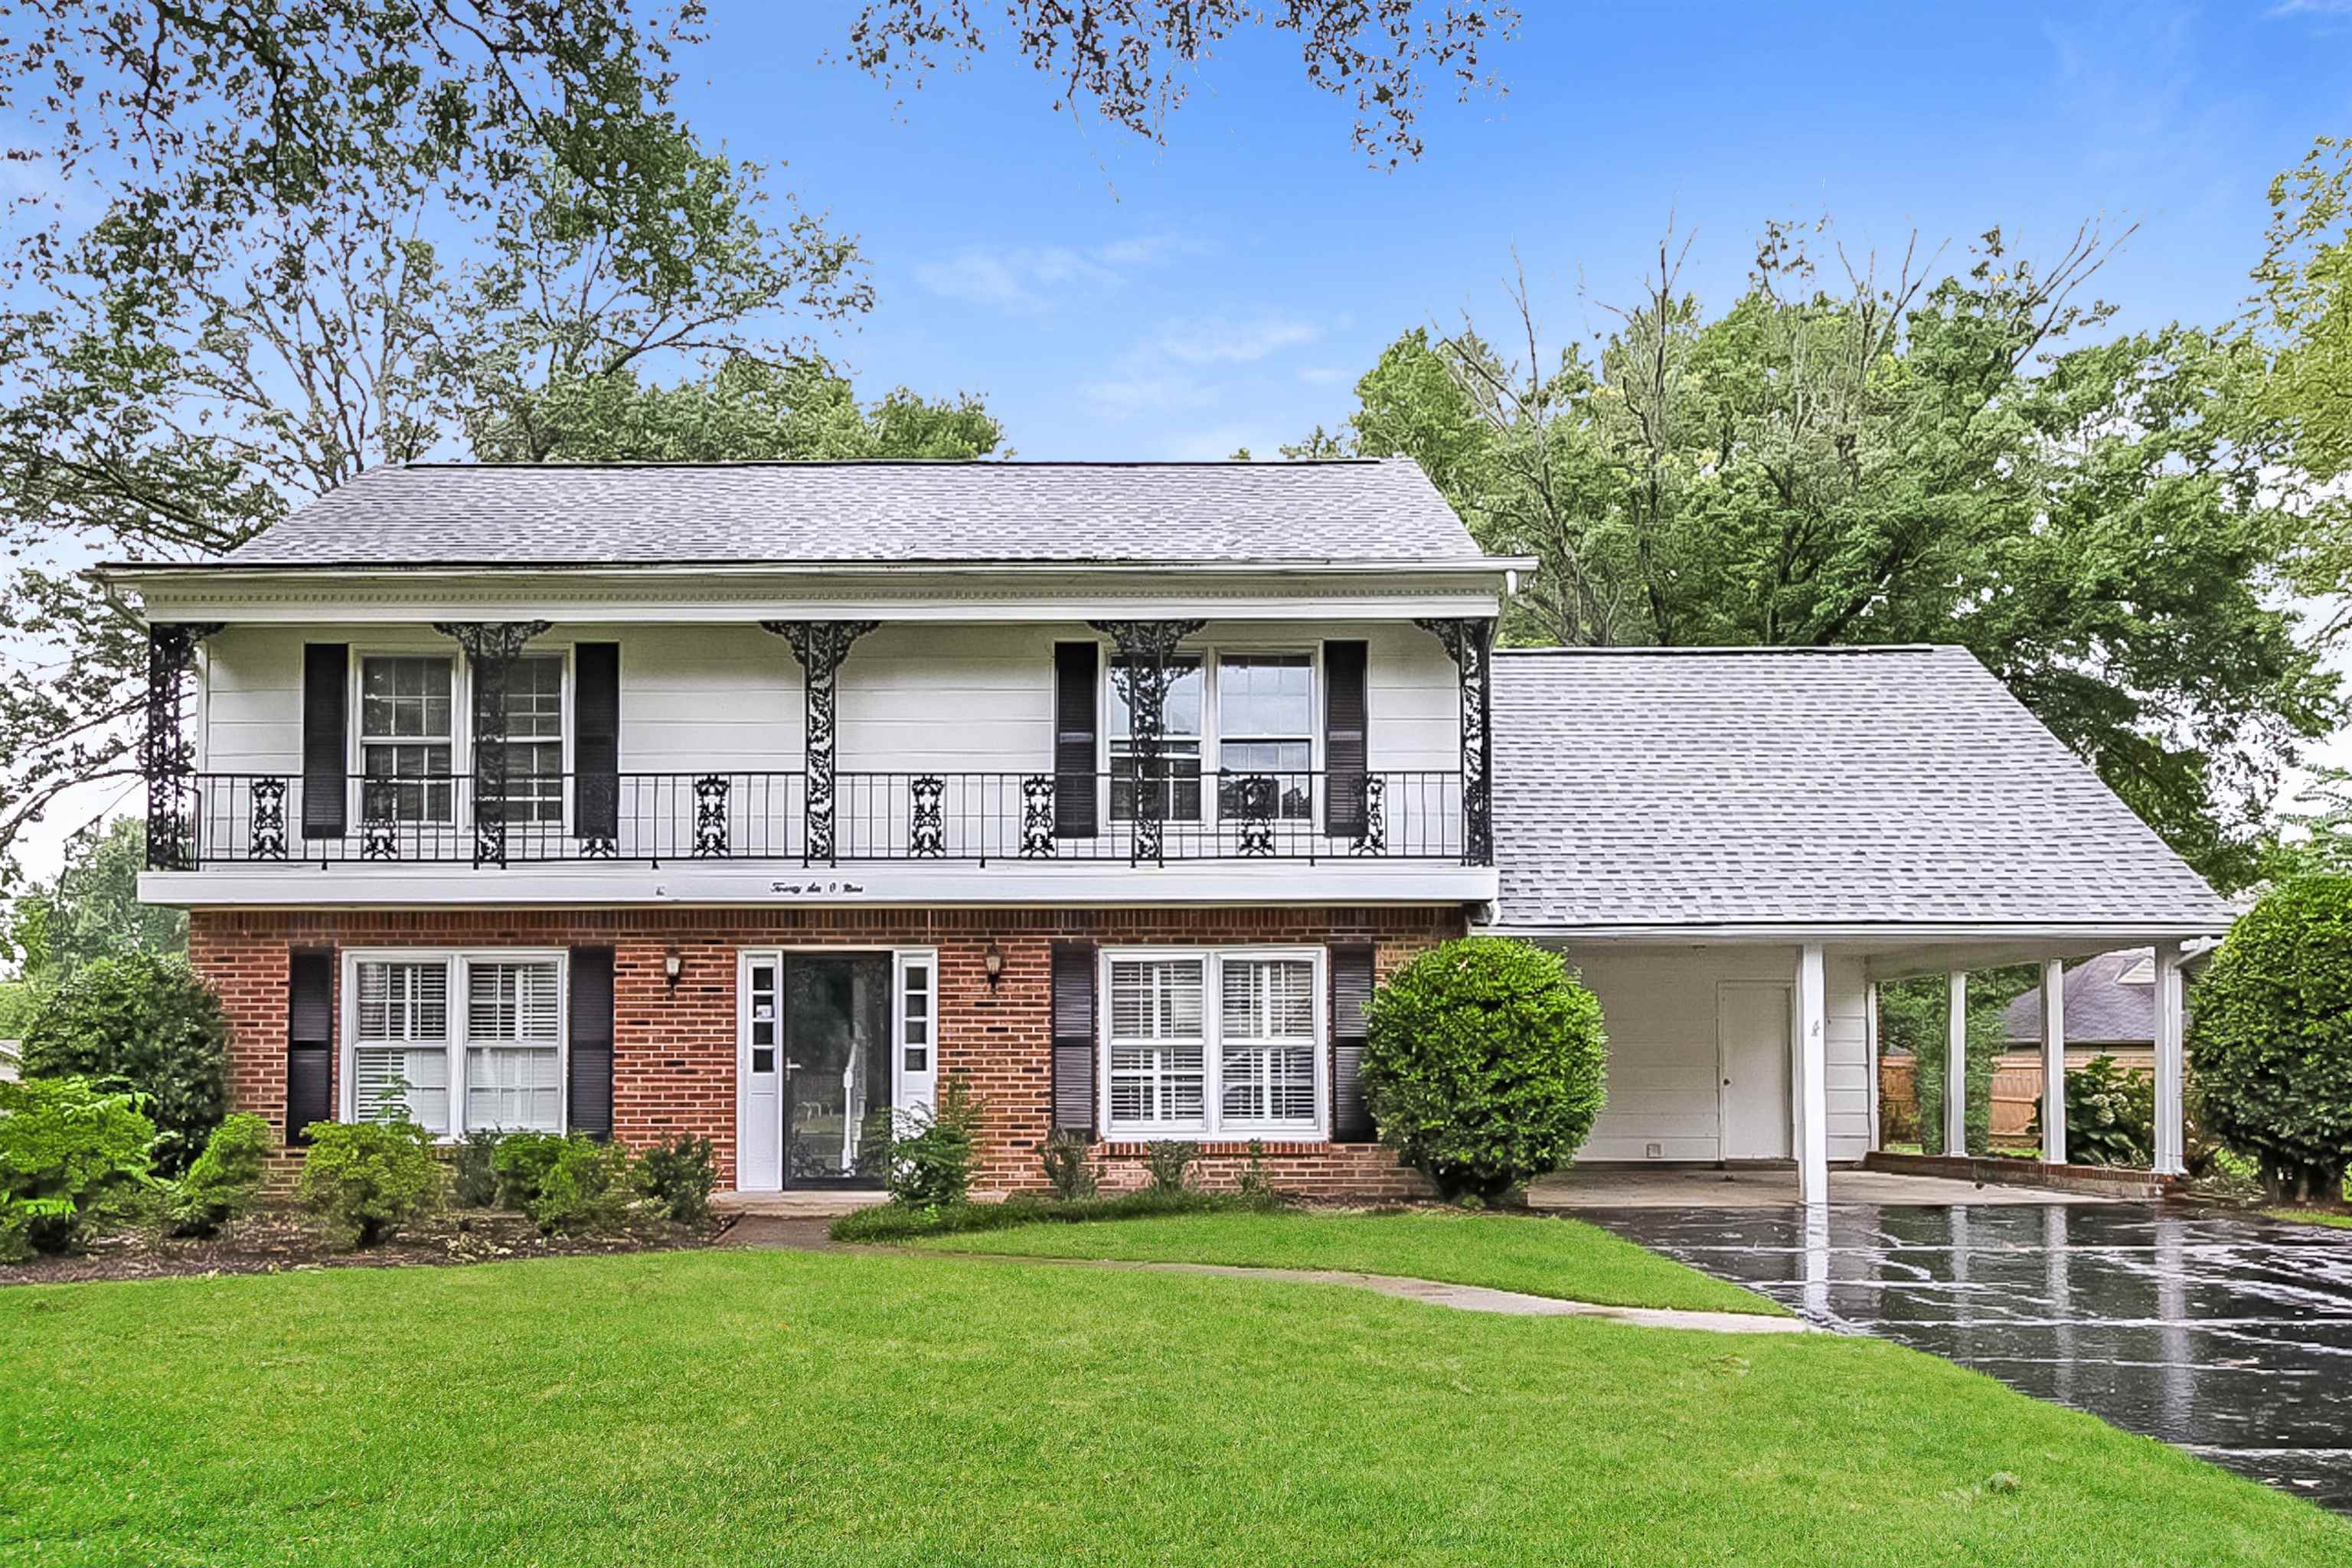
(1830, 931)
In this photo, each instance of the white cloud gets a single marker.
(1323, 375)
(1027, 279)
(1129, 395)
(1214, 339)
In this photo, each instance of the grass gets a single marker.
(818, 1410)
(1563, 1257)
(2329, 1217)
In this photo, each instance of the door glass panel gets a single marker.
(837, 1069)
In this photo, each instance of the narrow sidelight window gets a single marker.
(400, 1056)
(407, 741)
(1266, 716)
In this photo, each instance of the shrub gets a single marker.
(1068, 1169)
(2110, 1115)
(679, 1177)
(585, 1188)
(144, 1021)
(226, 1180)
(1255, 1187)
(1484, 1064)
(522, 1161)
(929, 1166)
(368, 1179)
(68, 1152)
(2270, 1038)
(474, 1176)
(891, 1222)
(1167, 1164)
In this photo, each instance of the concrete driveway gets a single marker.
(2227, 1337)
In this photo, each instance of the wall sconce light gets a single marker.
(993, 961)
(673, 965)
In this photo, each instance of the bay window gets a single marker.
(1213, 1045)
(457, 1042)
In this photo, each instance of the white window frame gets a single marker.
(455, 1040)
(461, 726)
(1213, 654)
(1212, 1126)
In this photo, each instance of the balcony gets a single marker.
(787, 818)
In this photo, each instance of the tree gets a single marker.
(2270, 1038)
(2303, 308)
(1129, 58)
(92, 911)
(144, 1021)
(1913, 460)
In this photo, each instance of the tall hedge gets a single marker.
(1485, 1064)
(144, 1021)
(2270, 1037)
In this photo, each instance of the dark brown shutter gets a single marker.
(1074, 1037)
(596, 742)
(1345, 749)
(1075, 707)
(1351, 989)
(589, 1096)
(326, 682)
(310, 1041)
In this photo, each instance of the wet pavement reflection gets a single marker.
(2228, 1338)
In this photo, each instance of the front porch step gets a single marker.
(796, 1205)
(2106, 1181)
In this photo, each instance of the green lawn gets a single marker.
(1562, 1257)
(811, 1409)
(2313, 1216)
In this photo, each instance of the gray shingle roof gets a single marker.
(829, 513)
(1817, 786)
(2103, 1008)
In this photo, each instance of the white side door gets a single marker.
(759, 1075)
(1752, 1042)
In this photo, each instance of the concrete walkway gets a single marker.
(777, 1233)
(1764, 1186)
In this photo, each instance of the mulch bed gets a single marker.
(276, 1242)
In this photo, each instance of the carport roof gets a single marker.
(1860, 787)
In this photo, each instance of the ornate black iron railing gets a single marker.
(1154, 815)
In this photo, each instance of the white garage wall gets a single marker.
(1659, 1006)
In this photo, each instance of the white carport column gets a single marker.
(1956, 1068)
(2170, 1061)
(2053, 1061)
(1809, 1103)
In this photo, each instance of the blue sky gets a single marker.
(1113, 299)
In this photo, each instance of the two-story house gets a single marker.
(748, 800)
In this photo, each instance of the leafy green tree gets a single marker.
(145, 1022)
(2304, 308)
(92, 910)
(1922, 459)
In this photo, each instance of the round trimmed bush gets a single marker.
(2270, 1038)
(144, 1021)
(1485, 1064)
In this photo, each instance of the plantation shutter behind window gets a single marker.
(1344, 737)
(310, 1042)
(1074, 1037)
(1075, 666)
(596, 748)
(591, 1090)
(1351, 989)
(512, 1045)
(326, 673)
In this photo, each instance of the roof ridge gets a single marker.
(980, 463)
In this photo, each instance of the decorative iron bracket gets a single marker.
(1143, 676)
(1470, 641)
(820, 646)
(163, 752)
(491, 648)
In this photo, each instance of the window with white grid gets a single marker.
(1159, 1043)
(514, 1040)
(1213, 1045)
(1265, 1041)
(400, 1054)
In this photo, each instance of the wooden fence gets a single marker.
(2016, 1092)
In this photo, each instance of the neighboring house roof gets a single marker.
(626, 514)
(2110, 1001)
(1817, 786)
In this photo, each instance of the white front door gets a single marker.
(1751, 1031)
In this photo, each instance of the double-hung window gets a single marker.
(456, 1042)
(1213, 1045)
(406, 737)
(534, 740)
(1176, 780)
(1265, 746)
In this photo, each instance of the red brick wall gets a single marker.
(674, 1053)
